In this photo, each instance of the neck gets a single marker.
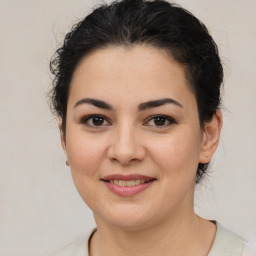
(183, 235)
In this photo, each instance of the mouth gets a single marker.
(128, 185)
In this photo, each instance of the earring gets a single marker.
(67, 163)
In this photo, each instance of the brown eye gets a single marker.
(95, 121)
(159, 121)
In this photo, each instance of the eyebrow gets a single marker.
(158, 103)
(143, 106)
(97, 103)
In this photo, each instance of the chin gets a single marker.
(126, 218)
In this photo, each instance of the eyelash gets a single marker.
(168, 119)
(86, 119)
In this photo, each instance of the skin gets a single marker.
(130, 141)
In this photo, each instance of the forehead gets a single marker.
(136, 73)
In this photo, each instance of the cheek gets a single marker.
(84, 154)
(177, 154)
(177, 160)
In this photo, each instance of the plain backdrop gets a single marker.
(40, 209)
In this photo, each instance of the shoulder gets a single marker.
(228, 243)
(78, 247)
(249, 250)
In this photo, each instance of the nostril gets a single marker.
(126, 148)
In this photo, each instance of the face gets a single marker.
(133, 138)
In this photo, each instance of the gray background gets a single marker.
(40, 209)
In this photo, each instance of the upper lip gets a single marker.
(127, 177)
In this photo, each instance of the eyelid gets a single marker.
(170, 119)
(88, 117)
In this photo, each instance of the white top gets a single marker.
(226, 243)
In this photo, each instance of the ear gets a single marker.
(211, 138)
(62, 138)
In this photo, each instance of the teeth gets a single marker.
(137, 182)
(128, 183)
(122, 183)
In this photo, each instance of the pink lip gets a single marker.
(127, 191)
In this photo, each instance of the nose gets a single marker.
(126, 146)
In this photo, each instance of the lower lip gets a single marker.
(127, 191)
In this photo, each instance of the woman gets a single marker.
(137, 88)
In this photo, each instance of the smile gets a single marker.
(129, 185)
